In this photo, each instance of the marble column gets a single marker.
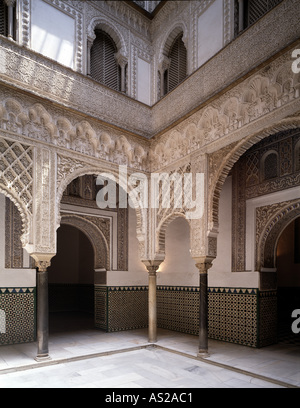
(42, 311)
(122, 61)
(152, 267)
(203, 267)
(88, 56)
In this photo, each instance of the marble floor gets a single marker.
(92, 358)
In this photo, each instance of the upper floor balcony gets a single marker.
(31, 72)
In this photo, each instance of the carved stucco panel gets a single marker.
(271, 220)
(97, 230)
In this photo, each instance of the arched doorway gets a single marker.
(288, 281)
(71, 282)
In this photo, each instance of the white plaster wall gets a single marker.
(143, 81)
(210, 32)
(52, 33)
(179, 268)
(13, 278)
(220, 275)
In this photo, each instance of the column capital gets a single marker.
(10, 2)
(121, 59)
(152, 266)
(42, 261)
(203, 263)
(164, 64)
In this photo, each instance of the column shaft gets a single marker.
(42, 314)
(203, 264)
(152, 307)
(203, 315)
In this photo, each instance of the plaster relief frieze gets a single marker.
(38, 122)
(252, 100)
(29, 71)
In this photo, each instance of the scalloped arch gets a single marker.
(25, 216)
(110, 29)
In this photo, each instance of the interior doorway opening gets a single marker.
(288, 281)
(71, 282)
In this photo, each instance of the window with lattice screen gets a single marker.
(3, 18)
(104, 67)
(253, 11)
(177, 71)
(257, 8)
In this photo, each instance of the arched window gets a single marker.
(104, 67)
(270, 166)
(177, 70)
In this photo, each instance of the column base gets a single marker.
(42, 358)
(203, 354)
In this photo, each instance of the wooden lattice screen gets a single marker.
(104, 67)
(177, 71)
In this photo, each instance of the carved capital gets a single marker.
(10, 2)
(121, 59)
(204, 264)
(42, 261)
(152, 266)
(163, 64)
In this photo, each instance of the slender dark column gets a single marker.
(42, 312)
(203, 321)
(203, 311)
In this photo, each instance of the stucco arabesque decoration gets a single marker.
(271, 91)
(271, 220)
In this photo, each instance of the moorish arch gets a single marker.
(170, 36)
(69, 170)
(26, 217)
(268, 240)
(162, 228)
(110, 29)
(222, 162)
(95, 235)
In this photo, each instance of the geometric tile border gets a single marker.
(237, 315)
(19, 306)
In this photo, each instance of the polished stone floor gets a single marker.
(85, 358)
